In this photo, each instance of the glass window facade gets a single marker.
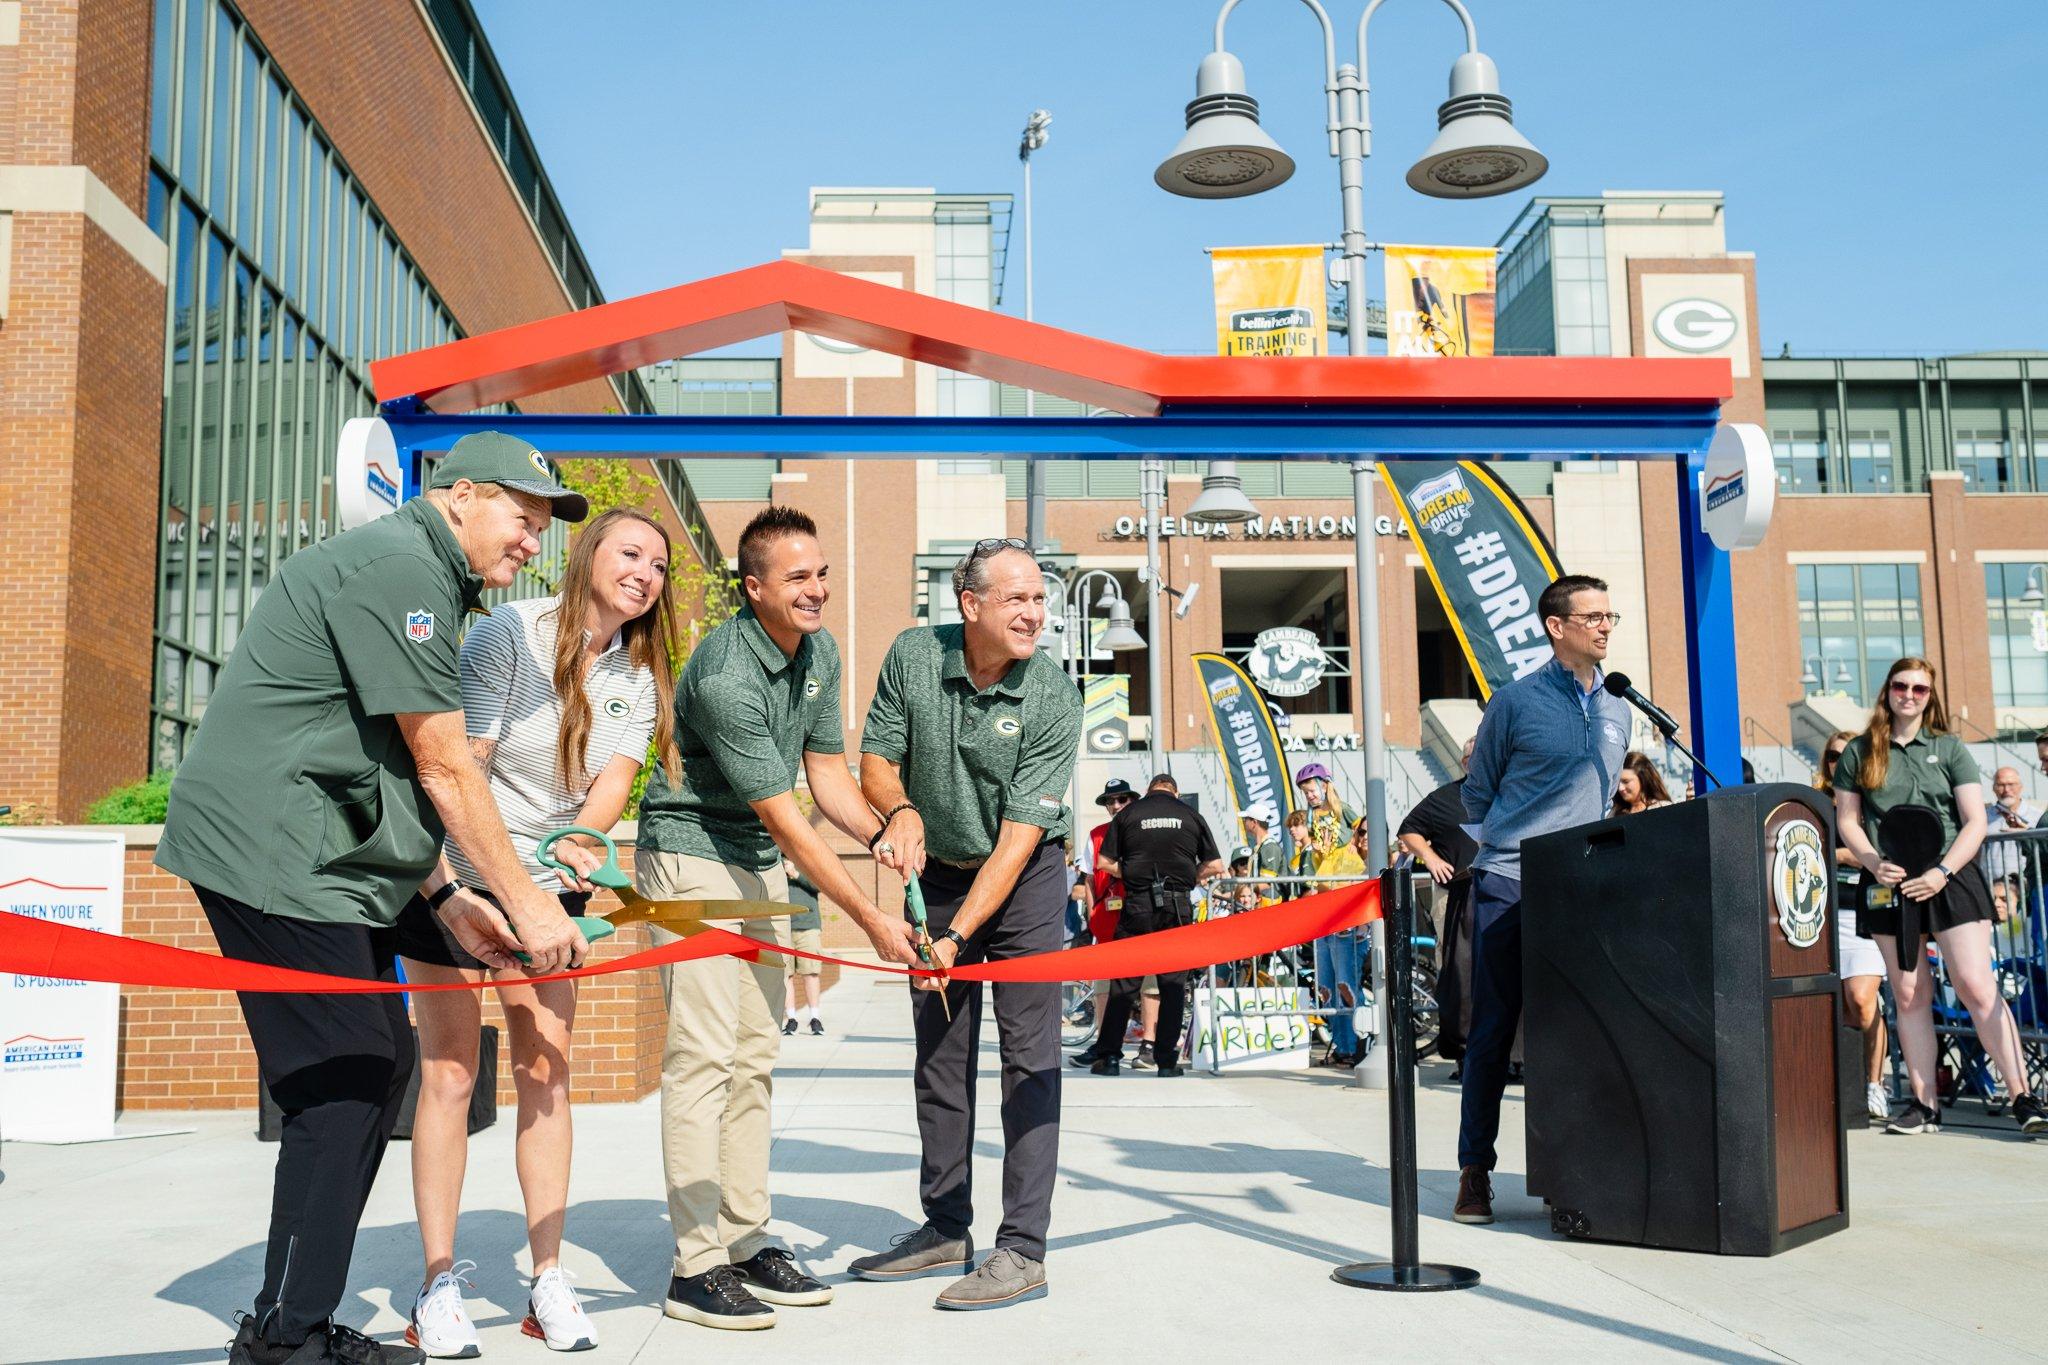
(1855, 620)
(2016, 598)
(285, 284)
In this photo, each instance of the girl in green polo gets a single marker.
(1907, 757)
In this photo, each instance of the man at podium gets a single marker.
(1549, 752)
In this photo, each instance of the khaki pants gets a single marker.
(717, 1066)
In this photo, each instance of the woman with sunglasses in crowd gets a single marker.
(561, 697)
(1858, 962)
(1908, 757)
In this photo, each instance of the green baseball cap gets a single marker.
(505, 460)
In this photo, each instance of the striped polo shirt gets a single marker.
(508, 695)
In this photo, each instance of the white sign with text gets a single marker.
(1255, 1035)
(59, 1039)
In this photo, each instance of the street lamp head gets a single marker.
(1224, 153)
(1120, 635)
(1222, 498)
(1477, 151)
(1034, 133)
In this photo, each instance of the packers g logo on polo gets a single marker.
(811, 688)
(615, 707)
(1008, 725)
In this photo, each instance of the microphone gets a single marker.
(1618, 685)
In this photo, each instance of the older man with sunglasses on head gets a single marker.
(968, 752)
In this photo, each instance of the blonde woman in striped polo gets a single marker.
(560, 719)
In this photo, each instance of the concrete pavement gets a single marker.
(1199, 1217)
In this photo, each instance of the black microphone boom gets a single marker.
(1618, 685)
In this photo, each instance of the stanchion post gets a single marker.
(1405, 1271)
(1215, 1028)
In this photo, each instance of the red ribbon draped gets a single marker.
(38, 947)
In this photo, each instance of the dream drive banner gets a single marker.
(1488, 561)
(1439, 300)
(1270, 300)
(1245, 737)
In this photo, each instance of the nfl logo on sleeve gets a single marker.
(419, 626)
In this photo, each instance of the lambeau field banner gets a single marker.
(1439, 300)
(1486, 557)
(1245, 736)
(1270, 300)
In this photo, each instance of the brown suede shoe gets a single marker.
(1475, 1197)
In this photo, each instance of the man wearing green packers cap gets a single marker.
(967, 754)
(329, 765)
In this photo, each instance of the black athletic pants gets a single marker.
(1028, 1029)
(1142, 916)
(337, 1065)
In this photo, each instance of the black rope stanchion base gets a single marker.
(1413, 1279)
(1406, 1271)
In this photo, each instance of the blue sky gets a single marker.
(1883, 160)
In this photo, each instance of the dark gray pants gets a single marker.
(1028, 1027)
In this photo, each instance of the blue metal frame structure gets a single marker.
(1435, 431)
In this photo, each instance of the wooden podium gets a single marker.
(1687, 1068)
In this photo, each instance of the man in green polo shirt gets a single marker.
(330, 763)
(758, 699)
(968, 753)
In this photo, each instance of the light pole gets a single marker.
(1152, 495)
(1476, 152)
(1034, 466)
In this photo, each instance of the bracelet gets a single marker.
(1946, 875)
(876, 837)
(435, 901)
(895, 811)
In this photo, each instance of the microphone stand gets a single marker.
(1671, 737)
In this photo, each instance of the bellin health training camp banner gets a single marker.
(1439, 300)
(1269, 300)
(1487, 559)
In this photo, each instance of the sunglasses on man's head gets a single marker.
(1904, 689)
(997, 544)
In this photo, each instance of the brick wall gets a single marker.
(189, 1049)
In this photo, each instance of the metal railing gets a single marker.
(1284, 969)
(2015, 864)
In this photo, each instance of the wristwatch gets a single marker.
(958, 941)
(448, 889)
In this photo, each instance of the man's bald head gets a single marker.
(2005, 785)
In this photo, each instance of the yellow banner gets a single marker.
(1270, 300)
(1439, 300)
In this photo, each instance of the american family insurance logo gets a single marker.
(33, 1052)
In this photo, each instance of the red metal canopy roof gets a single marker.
(787, 295)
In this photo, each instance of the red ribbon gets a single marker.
(38, 947)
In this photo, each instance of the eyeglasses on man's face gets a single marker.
(1593, 620)
(1906, 689)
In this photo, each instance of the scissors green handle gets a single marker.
(913, 898)
(611, 874)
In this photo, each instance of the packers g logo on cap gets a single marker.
(615, 707)
(539, 462)
(1008, 725)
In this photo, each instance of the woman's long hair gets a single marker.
(1648, 779)
(1824, 775)
(1878, 735)
(651, 640)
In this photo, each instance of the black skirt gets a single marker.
(1965, 899)
(424, 938)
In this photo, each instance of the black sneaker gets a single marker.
(1087, 1058)
(717, 1298)
(1915, 1119)
(249, 1347)
(2031, 1113)
(1172, 1069)
(1143, 1061)
(817, 1027)
(789, 1027)
(771, 1276)
(350, 1347)
(1106, 1066)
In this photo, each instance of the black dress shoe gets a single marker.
(717, 1298)
(1088, 1058)
(771, 1275)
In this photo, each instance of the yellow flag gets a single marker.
(1439, 300)
(1269, 300)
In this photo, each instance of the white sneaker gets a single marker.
(439, 1326)
(554, 1315)
(1876, 1102)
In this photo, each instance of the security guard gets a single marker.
(331, 761)
(968, 752)
(1161, 848)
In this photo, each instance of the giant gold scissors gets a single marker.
(682, 917)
